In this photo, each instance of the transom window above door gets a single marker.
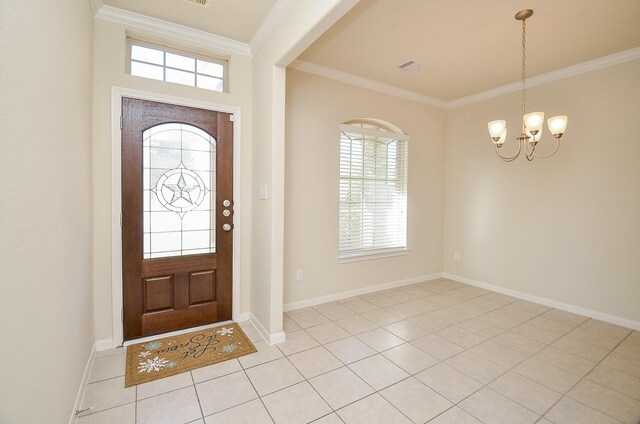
(161, 63)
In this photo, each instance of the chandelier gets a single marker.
(531, 122)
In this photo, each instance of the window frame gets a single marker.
(383, 130)
(168, 48)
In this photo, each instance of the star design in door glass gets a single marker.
(180, 190)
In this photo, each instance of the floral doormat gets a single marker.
(174, 355)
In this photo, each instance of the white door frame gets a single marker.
(117, 93)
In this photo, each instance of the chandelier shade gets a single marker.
(557, 125)
(496, 128)
(532, 122)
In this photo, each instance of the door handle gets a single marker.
(227, 227)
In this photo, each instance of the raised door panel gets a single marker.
(158, 294)
(202, 287)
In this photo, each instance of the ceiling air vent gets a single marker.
(203, 3)
(411, 66)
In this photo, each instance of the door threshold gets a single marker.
(174, 333)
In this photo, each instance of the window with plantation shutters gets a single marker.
(373, 189)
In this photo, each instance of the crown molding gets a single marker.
(96, 5)
(275, 15)
(180, 32)
(592, 65)
(323, 71)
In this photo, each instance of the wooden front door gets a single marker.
(177, 217)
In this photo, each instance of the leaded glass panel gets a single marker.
(179, 175)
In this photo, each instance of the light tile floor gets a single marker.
(438, 352)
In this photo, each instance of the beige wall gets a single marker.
(315, 109)
(45, 207)
(564, 228)
(110, 65)
(304, 22)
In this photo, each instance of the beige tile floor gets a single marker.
(438, 352)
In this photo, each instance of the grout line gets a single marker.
(448, 409)
(324, 416)
(193, 381)
(164, 393)
(86, 414)
(309, 383)
(106, 379)
(581, 379)
(234, 406)
(135, 408)
(259, 397)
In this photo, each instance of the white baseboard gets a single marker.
(104, 344)
(83, 384)
(268, 337)
(243, 316)
(624, 322)
(358, 292)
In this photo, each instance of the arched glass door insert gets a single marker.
(179, 191)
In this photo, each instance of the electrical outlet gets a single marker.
(456, 256)
(299, 275)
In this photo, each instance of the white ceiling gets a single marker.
(470, 46)
(467, 46)
(234, 19)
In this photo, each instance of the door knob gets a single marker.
(226, 203)
(227, 227)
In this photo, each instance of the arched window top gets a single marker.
(375, 128)
(373, 123)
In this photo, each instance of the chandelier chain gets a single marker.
(524, 67)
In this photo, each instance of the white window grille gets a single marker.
(165, 64)
(373, 189)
